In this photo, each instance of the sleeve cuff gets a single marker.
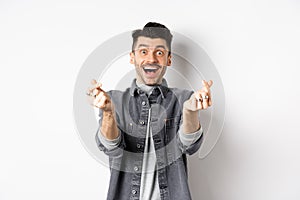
(188, 139)
(109, 144)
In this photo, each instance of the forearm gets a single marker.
(191, 121)
(109, 127)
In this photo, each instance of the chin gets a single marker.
(152, 82)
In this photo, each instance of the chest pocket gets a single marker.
(172, 122)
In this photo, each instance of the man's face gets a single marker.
(150, 58)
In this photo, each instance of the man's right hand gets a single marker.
(100, 98)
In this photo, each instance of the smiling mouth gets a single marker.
(150, 70)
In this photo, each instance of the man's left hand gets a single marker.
(201, 99)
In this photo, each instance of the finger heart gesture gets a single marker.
(201, 99)
(99, 97)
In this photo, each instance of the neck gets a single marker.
(140, 82)
(146, 88)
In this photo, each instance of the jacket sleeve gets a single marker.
(189, 143)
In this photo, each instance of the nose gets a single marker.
(152, 58)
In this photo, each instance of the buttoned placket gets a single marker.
(154, 113)
(158, 143)
(142, 128)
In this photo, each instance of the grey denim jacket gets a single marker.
(132, 108)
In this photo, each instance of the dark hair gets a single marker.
(153, 30)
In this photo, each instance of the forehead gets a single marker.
(151, 42)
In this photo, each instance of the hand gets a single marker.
(100, 98)
(200, 99)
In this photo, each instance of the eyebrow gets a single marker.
(158, 46)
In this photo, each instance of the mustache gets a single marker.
(152, 65)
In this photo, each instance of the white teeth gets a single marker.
(151, 68)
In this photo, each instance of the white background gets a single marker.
(255, 46)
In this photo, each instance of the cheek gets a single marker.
(139, 62)
(164, 61)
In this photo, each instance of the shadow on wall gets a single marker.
(211, 177)
(200, 179)
(202, 175)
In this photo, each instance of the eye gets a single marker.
(160, 53)
(143, 52)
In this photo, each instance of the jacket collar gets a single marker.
(163, 88)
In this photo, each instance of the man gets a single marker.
(148, 129)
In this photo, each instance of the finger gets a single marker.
(93, 92)
(98, 99)
(99, 96)
(205, 100)
(204, 83)
(210, 83)
(205, 86)
(96, 92)
(89, 93)
(96, 84)
(205, 89)
(198, 100)
(193, 101)
(103, 100)
(199, 104)
(102, 103)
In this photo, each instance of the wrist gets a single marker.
(108, 113)
(186, 110)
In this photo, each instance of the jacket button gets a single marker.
(142, 122)
(136, 168)
(143, 103)
(138, 146)
(133, 191)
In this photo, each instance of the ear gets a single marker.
(131, 58)
(169, 61)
